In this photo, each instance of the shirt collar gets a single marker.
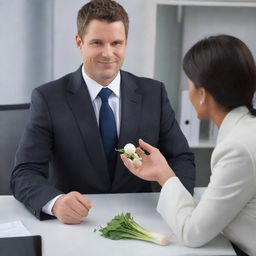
(94, 87)
(230, 120)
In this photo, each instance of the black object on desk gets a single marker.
(21, 246)
(238, 251)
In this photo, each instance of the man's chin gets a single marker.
(104, 78)
(108, 76)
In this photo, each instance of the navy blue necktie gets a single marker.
(107, 125)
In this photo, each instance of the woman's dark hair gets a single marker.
(224, 66)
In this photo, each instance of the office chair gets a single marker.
(12, 123)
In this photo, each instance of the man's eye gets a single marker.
(96, 43)
(117, 43)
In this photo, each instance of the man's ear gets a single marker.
(79, 42)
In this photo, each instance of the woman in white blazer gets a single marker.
(222, 80)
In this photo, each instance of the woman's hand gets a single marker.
(154, 166)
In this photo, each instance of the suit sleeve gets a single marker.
(29, 177)
(230, 188)
(173, 145)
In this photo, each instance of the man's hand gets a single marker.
(71, 208)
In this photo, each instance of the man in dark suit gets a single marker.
(68, 148)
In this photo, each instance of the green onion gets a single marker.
(123, 226)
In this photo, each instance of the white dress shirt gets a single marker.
(114, 99)
(228, 204)
(114, 102)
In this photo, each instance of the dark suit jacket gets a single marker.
(62, 132)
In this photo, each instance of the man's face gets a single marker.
(103, 49)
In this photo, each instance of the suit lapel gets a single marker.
(130, 117)
(80, 103)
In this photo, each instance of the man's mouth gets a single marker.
(107, 61)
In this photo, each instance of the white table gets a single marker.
(79, 240)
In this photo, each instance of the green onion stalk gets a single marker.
(123, 226)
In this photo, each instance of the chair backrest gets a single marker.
(12, 123)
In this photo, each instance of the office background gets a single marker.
(37, 45)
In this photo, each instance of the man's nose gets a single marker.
(107, 51)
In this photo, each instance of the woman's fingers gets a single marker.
(128, 163)
(140, 152)
(134, 170)
(146, 146)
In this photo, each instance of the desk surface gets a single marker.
(65, 240)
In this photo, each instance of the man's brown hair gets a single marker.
(103, 10)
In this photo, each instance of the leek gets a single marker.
(123, 226)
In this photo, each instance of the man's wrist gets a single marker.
(47, 208)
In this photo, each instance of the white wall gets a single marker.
(25, 48)
(200, 22)
(37, 40)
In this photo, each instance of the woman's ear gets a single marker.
(202, 95)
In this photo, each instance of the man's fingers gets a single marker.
(67, 215)
(80, 209)
(73, 213)
(71, 208)
(84, 201)
(70, 219)
(146, 146)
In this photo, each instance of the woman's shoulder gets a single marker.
(244, 134)
(238, 144)
(241, 136)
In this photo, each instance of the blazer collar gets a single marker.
(130, 119)
(230, 121)
(127, 81)
(79, 101)
(130, 109)
(76, 81)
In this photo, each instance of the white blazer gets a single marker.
(228, 204)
